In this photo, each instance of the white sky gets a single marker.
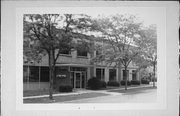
(149, 15)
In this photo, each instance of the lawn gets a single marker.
(64, 98)
(36, 92)
(46, 92)
(132, 91)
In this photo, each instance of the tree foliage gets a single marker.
(119, 33)
(148, 43)
(50, 34)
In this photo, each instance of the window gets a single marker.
(133, 75)
(100, 73)
(112, 74)
(44, 74)
(82, 48)
(65, 51)
(82, 53)
(35, 74)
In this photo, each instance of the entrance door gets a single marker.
(78, 80)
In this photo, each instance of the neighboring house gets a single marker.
(73, 68)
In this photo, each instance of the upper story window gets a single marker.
(99, 49)
(82, 49)
(65, 52)
(81, 53)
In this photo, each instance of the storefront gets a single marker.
(75, 75)
(36, 77)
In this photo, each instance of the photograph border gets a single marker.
(11, 99)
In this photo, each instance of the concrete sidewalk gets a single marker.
(82, 91)
(143, 96)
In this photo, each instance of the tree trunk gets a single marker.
(125, 77)
(119, 73)
(154, 69)
(51, 73)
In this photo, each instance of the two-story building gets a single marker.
(73, 68)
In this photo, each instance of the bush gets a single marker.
(153, 79)
(65, 88)
(144, 81)
(123, 83)
(94, 83)
(135, 82)
(103, 84)
(113, 83)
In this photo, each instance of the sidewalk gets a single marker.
(83, 91)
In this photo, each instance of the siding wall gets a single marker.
(36, 86)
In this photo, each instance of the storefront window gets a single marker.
(35, 74)
(100, 73)
(44, 74)
(133, 75)
(112, 74)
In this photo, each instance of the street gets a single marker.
(144, 96)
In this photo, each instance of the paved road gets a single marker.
(145, 96)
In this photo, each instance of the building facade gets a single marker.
(72, 68)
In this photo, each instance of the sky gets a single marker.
(149, 15)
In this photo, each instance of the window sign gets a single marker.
(61, 76)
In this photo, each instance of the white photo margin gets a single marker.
(161, 65)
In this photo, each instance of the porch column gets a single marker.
(117, 74)
(106, 76)
(130, 74)
(94, 73)
(88, 73)
(138, 76)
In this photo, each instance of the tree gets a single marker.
(119, 34)
(148, 43)
(142, 64)
(51, 34)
